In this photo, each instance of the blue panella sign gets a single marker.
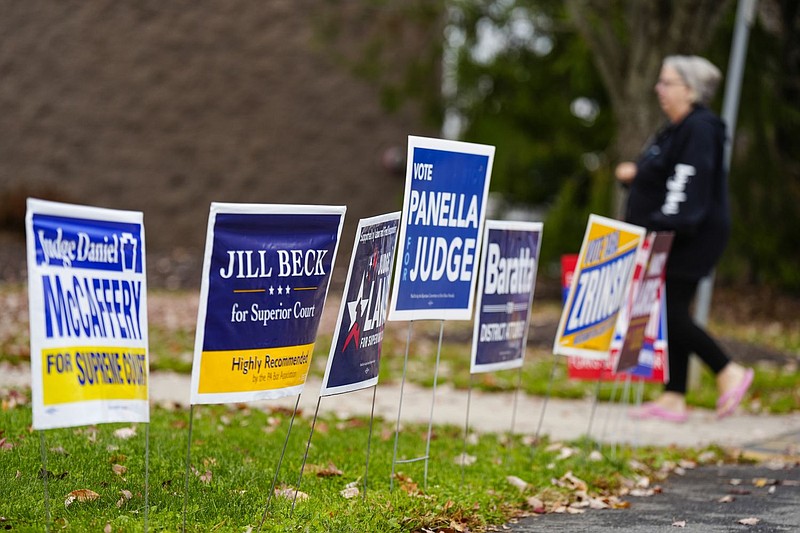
(447, 184)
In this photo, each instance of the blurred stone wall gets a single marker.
(164, 107)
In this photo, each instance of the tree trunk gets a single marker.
(629, 55)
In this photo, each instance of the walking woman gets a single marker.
(679, 184)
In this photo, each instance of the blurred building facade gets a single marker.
(164, 107)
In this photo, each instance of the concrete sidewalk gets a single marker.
(492, 412)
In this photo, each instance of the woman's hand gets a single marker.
(625, 172)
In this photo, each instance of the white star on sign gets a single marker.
(352, 307)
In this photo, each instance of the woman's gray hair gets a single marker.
(699, 74)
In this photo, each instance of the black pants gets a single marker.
(684, 337)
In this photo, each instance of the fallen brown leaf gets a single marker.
(118, 458)
(288, 493)
(324, 471)
(707, 457)
(125, 433)
(554, 447)
(569, 480)
(565, 453)
(13, 399)
(536, 505)
(595, 456)
(598, 503)
(125, 495)
(119, 469)
(408, 485)
(517, 482)
(81, 495)
(285, 411)
(457, 526)
(350, 492)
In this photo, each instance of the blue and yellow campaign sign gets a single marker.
(444, 206)
(599, 288)
(509, 260)
(87, 296)
(354, 359)
(266, 274)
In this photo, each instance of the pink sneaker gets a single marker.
(734, 397)
(652, 410)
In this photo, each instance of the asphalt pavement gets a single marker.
(757, 498)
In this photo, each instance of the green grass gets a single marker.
(236, 448)
(235, 452)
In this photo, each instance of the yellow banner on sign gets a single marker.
(599, 287)
(254, 370)
(85, 373)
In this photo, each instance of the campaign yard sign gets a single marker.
(447, 183)
(354, 359)
(599, 288)
(509, 262)
(266, 274)
(644, 297)
(87, 295)
(651, 364)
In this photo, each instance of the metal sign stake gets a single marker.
(400, 406)
(188, 459)
(278, 468)
(44, 481)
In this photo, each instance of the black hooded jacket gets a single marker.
(681, 186)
